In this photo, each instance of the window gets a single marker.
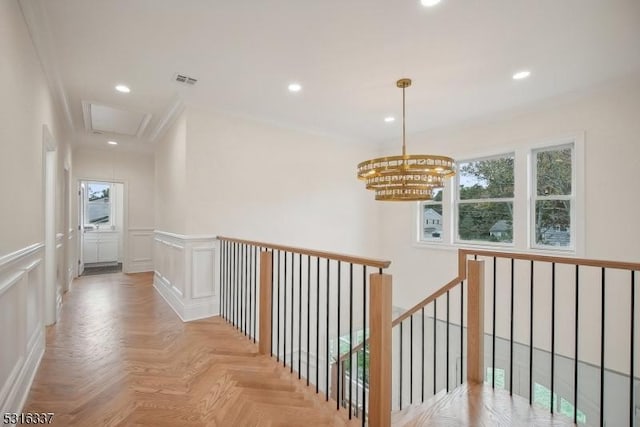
(552, 197)
(484, 200)
(98, 204)
(431, 224)
(530, 198)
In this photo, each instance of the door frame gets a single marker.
(125, 219)
(80, 230)
(49, 169)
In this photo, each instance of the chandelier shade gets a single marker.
(406, 177)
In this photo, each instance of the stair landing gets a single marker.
(477, 405)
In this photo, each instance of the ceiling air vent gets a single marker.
(181, 78)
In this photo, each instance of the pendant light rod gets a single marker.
(404, 143)
(403, 84)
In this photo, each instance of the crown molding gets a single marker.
(176, 107)
(38, 24)
(88, 123)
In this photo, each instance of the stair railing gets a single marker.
(561, 332)
(306, 307)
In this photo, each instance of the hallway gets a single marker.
(119, 356)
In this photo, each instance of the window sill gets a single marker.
(454, 247)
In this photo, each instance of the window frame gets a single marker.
(457, 201)
(534, 197)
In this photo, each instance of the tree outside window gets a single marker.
(485, 199)
(553, 196)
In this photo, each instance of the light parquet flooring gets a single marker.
(119, 356)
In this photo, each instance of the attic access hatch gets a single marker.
(103, 118)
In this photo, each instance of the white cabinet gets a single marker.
(100, 246)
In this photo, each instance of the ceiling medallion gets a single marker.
(406, 177)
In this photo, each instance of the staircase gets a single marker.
(476, 405)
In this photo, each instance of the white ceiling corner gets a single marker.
(168, 117)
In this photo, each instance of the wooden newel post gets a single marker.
(264, 339)
(380, 299)
(475, 319)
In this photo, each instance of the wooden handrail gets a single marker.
(558, 260)
(443, 290)
(369, 262)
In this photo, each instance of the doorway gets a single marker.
(101, 214)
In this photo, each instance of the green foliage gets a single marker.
(553, 172)
(477, 219)
(553, 178)
(492, 179)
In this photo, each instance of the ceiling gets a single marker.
(347, 55)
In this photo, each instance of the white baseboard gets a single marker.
(140, 267)
(186, 312)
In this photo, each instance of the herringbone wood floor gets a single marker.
(119, 356)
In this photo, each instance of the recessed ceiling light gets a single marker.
(429, 3)
(123, 88)
(521, 75)
(295, 87)
(112, 143)
(389, 119)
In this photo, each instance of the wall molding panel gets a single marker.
(140, 250)
(185, 274)
(21, 324)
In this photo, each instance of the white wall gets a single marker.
(170, 178)
(26, 105)
(254, 180)
(136, 171)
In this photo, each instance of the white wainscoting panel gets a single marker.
(202, 272)
(185, 274)
(140, 250)
(21, 324)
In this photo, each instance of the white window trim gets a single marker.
(533, 180)
(577, 197)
